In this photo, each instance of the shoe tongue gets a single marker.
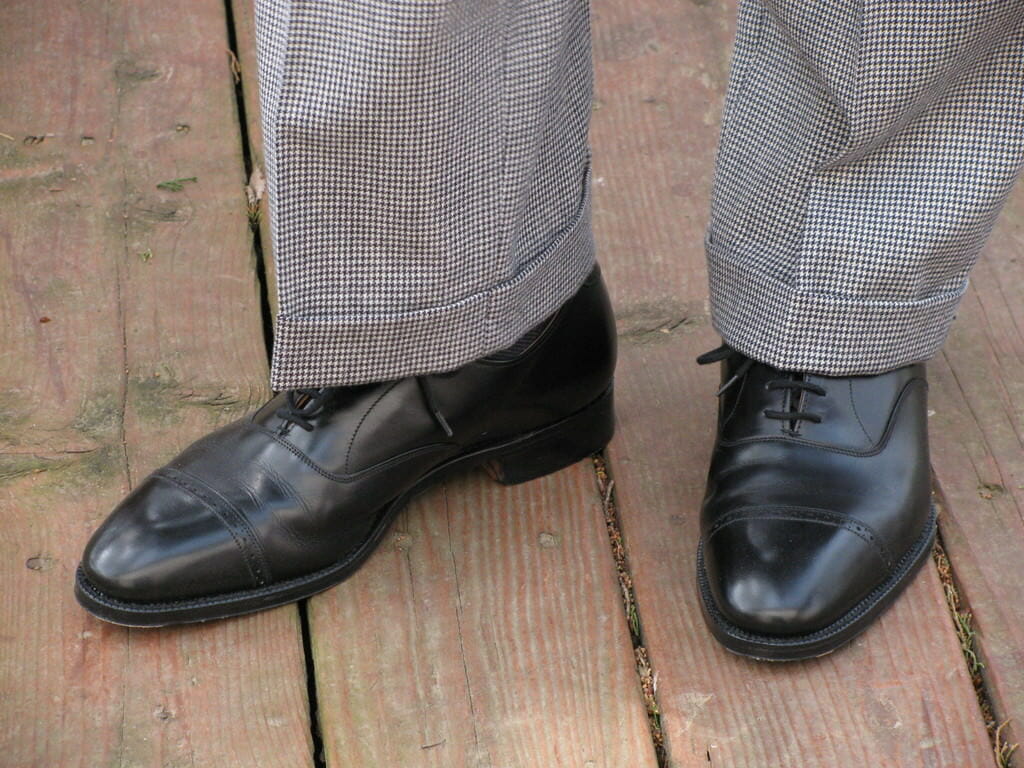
(746, 400)
(292, 400)
(304, 398)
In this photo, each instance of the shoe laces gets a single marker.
(789, 381)
(303, 405)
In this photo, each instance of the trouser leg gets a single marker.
(866, 150)
(428, 176)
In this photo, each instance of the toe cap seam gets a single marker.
(233, 520)
(803, 514)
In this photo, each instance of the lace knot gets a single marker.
(301, 405)
(795, 383)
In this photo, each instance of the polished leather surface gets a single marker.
(262, 499)
(803, 519)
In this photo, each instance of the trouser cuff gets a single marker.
(831, 335)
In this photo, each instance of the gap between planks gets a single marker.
(266, 315)
(971, 644)
(254, 207)
(647, 677)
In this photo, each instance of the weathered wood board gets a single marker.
(243, 14)
(977, 395)
(129, 326)
(488, 630)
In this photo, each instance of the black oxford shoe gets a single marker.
(289, 501)
(817, 512)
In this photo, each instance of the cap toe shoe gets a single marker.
(817, 510)
(778, 575)
(292, 499)
(164, 543)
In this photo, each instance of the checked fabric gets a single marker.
(866, 150)
(428, 173)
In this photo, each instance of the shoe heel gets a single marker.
(560, 445)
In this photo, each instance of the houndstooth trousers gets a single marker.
(429, 177)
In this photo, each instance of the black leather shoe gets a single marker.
(293, 499)
(817, 512)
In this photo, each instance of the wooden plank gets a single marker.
(661, 69)
(244, 18)
(243, 14)
(977, 395)
(488, 630)
(151, 338)
(898, 696)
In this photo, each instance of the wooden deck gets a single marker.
(545, 625)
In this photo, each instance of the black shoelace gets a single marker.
(302, 405)
(791, 382)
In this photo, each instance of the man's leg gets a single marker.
(440, 308)
(866, 150)
(428, 175)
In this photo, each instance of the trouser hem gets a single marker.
(340, 350)
(776, 323)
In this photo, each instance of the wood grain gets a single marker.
(977, 395)
(488, 630)
(900, 695)
(661, 69)
(129, 327)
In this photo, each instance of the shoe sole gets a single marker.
(523, 458)
(827, 639)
